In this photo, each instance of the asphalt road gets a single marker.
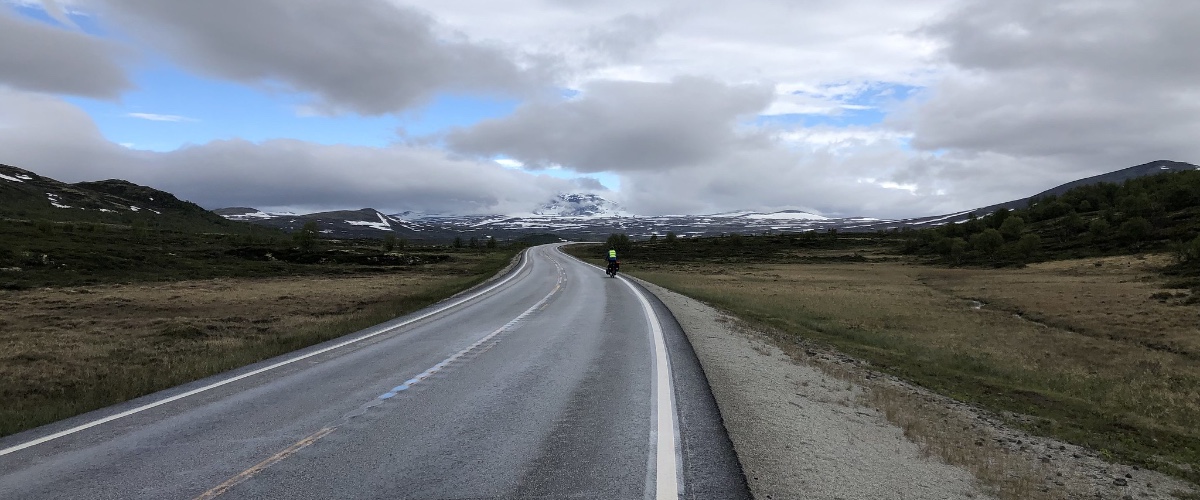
(551, 382)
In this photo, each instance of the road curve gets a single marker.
(550, 382)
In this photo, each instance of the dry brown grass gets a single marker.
(69, 350)
(1086, 357)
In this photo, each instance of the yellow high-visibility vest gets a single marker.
(612, 254)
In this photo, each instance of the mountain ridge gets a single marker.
(587, 216)
(27, 195)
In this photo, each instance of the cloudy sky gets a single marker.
(859, 107)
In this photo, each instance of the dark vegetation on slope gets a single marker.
(101, 239)
(1146, 214)
(1151, 214)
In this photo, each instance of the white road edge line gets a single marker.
(666, 470)
(666, 481)
(110, 418)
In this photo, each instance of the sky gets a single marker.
(855, 108)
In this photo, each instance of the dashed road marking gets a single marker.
(309, 440)
(381, 331)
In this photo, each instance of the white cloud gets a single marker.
(39, 57)
(160, 118)
(366, 57)
(620, 126)
(57, 139)
(509, 163)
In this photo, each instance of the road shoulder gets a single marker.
(800, 433)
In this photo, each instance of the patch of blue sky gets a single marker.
(609, 180)
(843, 118)
(193, 110)
(448, 111)
(171, 108)
(867, 106)
(35, 11)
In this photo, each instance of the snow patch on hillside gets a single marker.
(54, 200)
(787, 215)
(382, 225)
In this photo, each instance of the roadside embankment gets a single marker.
(810, 422)
(799, 432)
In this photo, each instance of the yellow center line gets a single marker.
(261, 466)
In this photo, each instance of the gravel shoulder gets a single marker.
(808, 426)
(800, 433)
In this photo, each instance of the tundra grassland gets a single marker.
(1096, 351)
(66, 350)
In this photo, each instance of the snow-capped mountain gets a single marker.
(580, 205)
(571, 215)
(592, 217)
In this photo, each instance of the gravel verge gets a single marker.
(800, 433)
(812, 425)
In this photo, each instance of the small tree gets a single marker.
(958, 249)
(653, 238)
(670, 236)
(1074, 223)
(1098, 228)
(619, 242)
(1028, 246)
(491, 242)
(987, 242)
(389, 242)
(306, 237)
(997, 218)
(1135, 230)
(458, 242)
(1012, 227)
(1187, 252)
(474, 242)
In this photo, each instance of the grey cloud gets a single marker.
(590, 184)
(624, 36)
(59, 140)
(296, 173)
(38, 57)
(1149, 41)
(774, 178)
(620, 126)
(371, 57)
(1091, 85)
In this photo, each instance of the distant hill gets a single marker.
(1117, 177)
(590, 217)
(579, 216)
(28, 196)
